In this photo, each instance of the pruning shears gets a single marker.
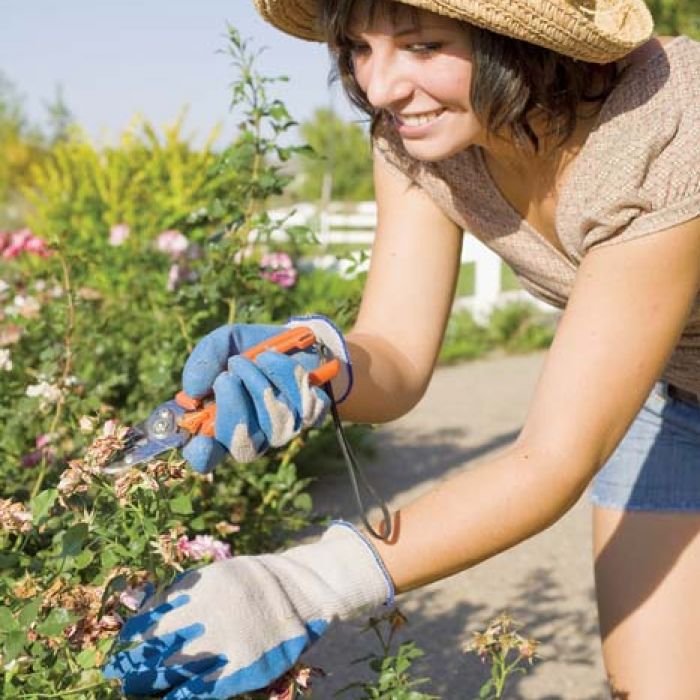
(174, 423)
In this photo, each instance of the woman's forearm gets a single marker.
(477, 514)
(386, 382)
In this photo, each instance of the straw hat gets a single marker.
(599, 31)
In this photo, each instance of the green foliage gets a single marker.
(518, 327)
(100, 329)
(326, 292)
(341, 152)
(674, 17)
(21, 145)
(393, 679)
(513, 328)
(96, 537)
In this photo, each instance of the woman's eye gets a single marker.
(357, 48)
(425, 48)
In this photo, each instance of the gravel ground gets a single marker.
(470, 411)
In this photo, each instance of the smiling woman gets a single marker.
(565, 137)
(504, 82)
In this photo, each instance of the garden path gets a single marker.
(469, 411)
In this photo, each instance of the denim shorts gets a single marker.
(657, 464)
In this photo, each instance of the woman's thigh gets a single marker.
(647, 570)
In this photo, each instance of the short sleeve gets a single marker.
(648, 174)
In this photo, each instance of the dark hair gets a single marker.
(513, 81)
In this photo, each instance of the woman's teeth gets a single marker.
(420, 119)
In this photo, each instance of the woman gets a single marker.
(568, 140)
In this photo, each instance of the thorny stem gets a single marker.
(183, 329)
(231, 310)
(61, 693)
(67, 364)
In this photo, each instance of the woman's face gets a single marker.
(417, 66)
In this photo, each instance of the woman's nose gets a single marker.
(388, 82)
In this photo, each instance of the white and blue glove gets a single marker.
(264, 403)
(240, 624)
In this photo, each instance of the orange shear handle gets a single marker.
(200, 418)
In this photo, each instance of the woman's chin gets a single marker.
(434, 151)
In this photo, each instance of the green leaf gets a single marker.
(73, 539)
(485, 689)
(9, 560)
(41, 505)
(303, 502)
(56, 621)
(29, 613)
(14, 644)
(182, 505)
(109, 559)
(198, 524)
(84, 559)
(87, 658)
(7, 621)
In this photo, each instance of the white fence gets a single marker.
(355, 224)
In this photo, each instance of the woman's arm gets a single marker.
(406, 301)
(625, 315)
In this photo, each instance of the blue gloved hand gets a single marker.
(238, 625)
(264, 403)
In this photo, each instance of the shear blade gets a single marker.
(157, 434)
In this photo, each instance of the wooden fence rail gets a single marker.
(354, 224)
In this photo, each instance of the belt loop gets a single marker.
(661, 388)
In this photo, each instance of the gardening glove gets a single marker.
(237, 625)
(264, 403)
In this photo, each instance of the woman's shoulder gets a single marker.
(657, 95)
(665, 70)
(640, 168)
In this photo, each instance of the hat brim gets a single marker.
(599, 31)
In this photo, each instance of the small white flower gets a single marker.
(5, 360)
(26, 306)
(48, 393)
(86, 424)
(4, 288)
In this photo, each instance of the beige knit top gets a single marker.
(637, 173)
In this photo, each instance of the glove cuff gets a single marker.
(332, 337)
(345, 576)
(383, 586)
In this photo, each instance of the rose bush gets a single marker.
(131, 254)
(77, 558)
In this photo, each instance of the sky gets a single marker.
(116, 58)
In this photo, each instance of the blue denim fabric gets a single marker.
(657, 464)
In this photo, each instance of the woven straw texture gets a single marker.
(599, 31)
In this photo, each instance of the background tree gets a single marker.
(676, 17)
(343, 153)
(23, 144)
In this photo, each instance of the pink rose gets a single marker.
(204, 547)
(172, 243)
(279, 269)
(17, 242)
(177, 274)
(118, 234)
